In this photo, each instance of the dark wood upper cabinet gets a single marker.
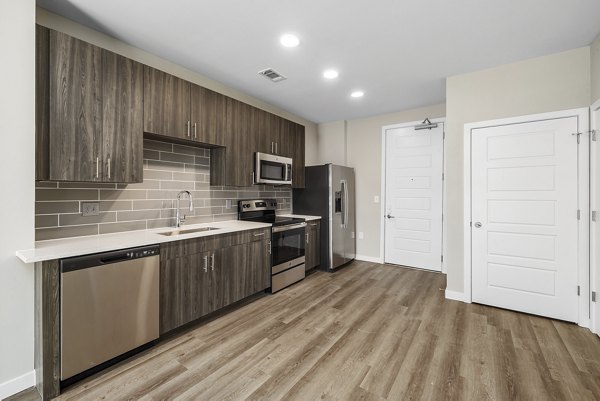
(240, 144)
(166, 104)
(208, 116)
(42, 104)
(75, 130)
(93, 106)
(123, 118)
(297, 134)
(89, 112)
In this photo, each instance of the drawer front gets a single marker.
(194, 246)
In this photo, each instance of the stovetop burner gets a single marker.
(263, 211)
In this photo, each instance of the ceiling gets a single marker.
(398, 52)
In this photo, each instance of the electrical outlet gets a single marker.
(361, 235)
(227, 203)
(376, 199)
(90, 209)
(352, 234)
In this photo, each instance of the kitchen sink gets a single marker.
(188, 231)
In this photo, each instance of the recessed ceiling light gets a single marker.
(289, 40)
(357, 94)
(330, 74)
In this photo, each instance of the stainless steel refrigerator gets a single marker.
(329, 193)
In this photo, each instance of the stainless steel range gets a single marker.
(287, 240)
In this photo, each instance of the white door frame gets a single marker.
(595, 205)
(441, 120)
(583, 270)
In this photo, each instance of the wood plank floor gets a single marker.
(366, 332)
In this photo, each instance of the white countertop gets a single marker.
(67, 247)
(302, 216)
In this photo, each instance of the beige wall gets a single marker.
(550, 83)
(332, 143)
(17, 136)
(74, 29)
(362, 146)
(595, 71)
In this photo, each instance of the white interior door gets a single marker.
(595, 229)
(413, 197)
(524, 201)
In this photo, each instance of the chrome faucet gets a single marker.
(178, 219)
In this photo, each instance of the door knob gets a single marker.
(477, 225)
(389, 216)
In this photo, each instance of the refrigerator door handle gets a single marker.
(344, 203)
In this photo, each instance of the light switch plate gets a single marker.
(361, 235)
(90, 209)
(376, 199)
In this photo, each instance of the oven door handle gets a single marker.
(287, 228)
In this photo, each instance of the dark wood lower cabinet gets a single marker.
(313, 244)
(202, 275)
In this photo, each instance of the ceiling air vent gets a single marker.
(272, 75)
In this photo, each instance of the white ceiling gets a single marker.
(398, 51)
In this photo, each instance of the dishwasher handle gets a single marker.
(116, 258)
(106, 258)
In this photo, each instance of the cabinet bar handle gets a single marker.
(269, 247)
(307, 238)
(188, 125)
(212, 262)
(205, 264)
(276, 151)
(313, 224)
(195, 130)
(271, 147)
(97, 167)
(258, 235)
(109, 167)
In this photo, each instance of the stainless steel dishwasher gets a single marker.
(109, 306)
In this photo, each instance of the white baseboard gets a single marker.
(457, 296)
(17, 384)
(365, 258)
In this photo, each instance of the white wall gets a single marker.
(82, 32)
(595, 71)
(360, 148)
(17, 138)
(550, 83)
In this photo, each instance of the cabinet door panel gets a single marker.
(166, 104)
(200, 282)
(259, 260)
(175, 293)
(240, 144)
(42, 102)
(313, 246)
(75, 132)
(209, 116)
(298, 156)
(122, 126)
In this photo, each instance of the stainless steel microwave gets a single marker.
(272, 169)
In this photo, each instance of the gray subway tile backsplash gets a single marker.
(168, 169)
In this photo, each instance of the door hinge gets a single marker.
(578, 214)
(444, 135)
(593, 132)
(442, 258)
(593, 296)
(594, 215)
(578, 134)
(578, 290)
(443, 176)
